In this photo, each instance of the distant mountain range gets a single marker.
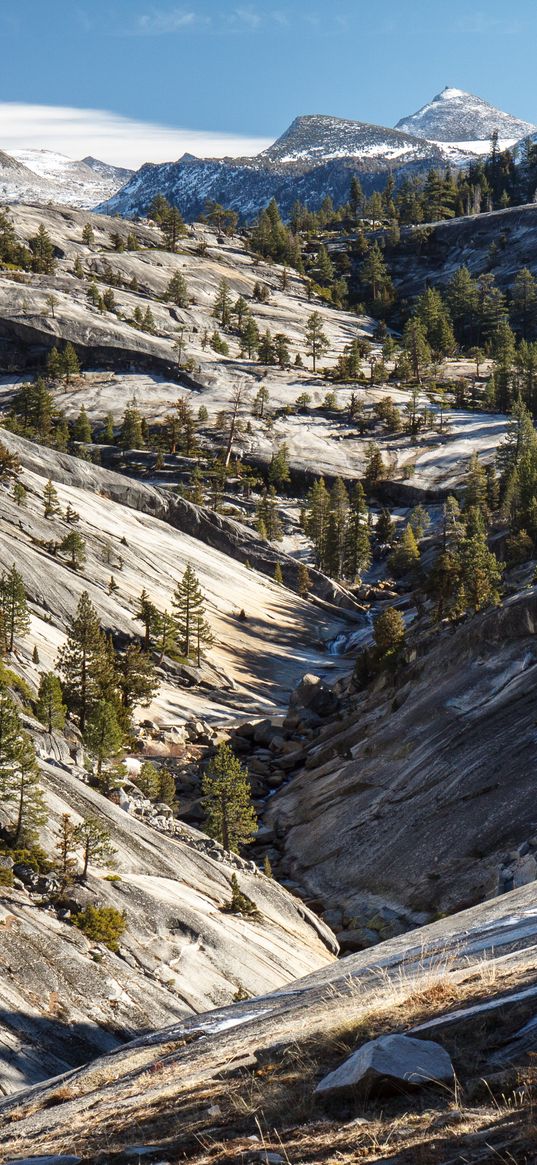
(316, 156)
(45, 176)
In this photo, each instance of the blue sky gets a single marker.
(245, 68)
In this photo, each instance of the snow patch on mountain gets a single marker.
(456, 116)
(316, 137)
(28, 175)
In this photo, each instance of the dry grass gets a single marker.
(168, 1094)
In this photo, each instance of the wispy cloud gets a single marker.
(235, 18)
(163, 22)
(121, 140)
(483, 23)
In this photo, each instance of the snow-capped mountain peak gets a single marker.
(318, 137)
(47, 176)
(456, 116)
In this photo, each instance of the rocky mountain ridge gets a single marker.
(317, 155)
(45, 176)
(461, 118)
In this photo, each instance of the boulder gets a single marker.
(396, 1060)
(316, 696)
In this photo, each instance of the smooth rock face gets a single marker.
(392, 1059)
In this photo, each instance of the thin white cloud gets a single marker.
(157, 22)
(112, 138)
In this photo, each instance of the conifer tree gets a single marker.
(278, 576)
(357, 550)
(279, 473)
(166, 634)
(103, 734)
(177, 291)
(65, 863)
(70, 363)
(50, 707)
(88, 236)
(96, 845)
(303, 580)
(75, 547)
(317, 517)
(42, 250)
(131, 435)
(31, 811)
(51, 503)
(82, 660)
(189, 610)
(14, 614)
(227, 801)
(315, 338)
(405, 558)
(389, 631)
(137, 681)
(19, 773)
(148, 615)
(223, 306)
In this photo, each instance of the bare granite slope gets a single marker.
(422, 796)
(156, 1093)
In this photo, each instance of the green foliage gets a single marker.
(227, 801)
(50, 707)
(102, 924)
(240, 902)
(389, 631)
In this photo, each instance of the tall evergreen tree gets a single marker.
(227, 801)
(83, 660)
(188, 605)
(14, 614)
(50, 707)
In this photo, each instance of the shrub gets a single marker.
(101, 924)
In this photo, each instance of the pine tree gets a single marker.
(416, 345)
(30, 803)
(136, 677)
(227, 801)
(70, 363)
(389, 631)
(148, 615)
(82, 660)
(88, 236)
(173, 227)
(279, 473)
(315, 338)
(222, 306)
(317, 516)
(51, 504)
(189, 610)
(50, 708)
(480, 573)
(14, 614)
(42, 250)
(177, 291)
(374, 468)
(131, 435)
(303, 580)
(166, 633)
(385, 528)
(96, 845)
(405, 558)
(250, 336)
(74, 545)
(357, 551)
(278, 576)
(19, 773)
(65, 863)
(103, 734)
